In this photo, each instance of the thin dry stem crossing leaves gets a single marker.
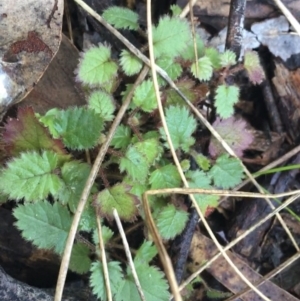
(128, 254)
(193, 108)
(221, 192)
(155, 234)
(163, 254)
(194, 37)
(162, 251)
(86, 191)
(187, 8)
(102, 152)
(275, 163)
(231, 244)
(103, 259)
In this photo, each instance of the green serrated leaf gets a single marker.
(80, 261)
(96, 67)
(88, 220)
(165, 177)
(32, 176)
(181, 127)
(135, 164)
(214, 56)
(74, 175)
(46, 226)
(107, 234)
(185, 164)
(228, 58)
(130, 63)
(157, 203)
(170, 37)
(205, 69)
(136, 188)
(102, 103)
(188, 54)
(151, 135)
(251, 59)
(146, 252)
(225, 98)
(139, 157)
(199, 179)
(226, 172)
(186, 86)
(150, 148)
(122, 137)
(154, 285)
(48, 121)
(79, 127)
(97, 278)
(3, 198)
(152, 281)
(202, 161)
(117, 197)
(173, 69)
(216, 294)
(121, 17)
(144, 96)
(171, 221)
(176, 10)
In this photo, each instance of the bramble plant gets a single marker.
(43, 164)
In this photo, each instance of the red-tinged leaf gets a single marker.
(252, 65)
(26, 133)
(234, 132)
(256, 75)
(209, 210)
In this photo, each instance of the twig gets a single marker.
(162, 252)
(103, 258)
(169, 271)
(204, 121)
(234, 242)
(194, 37)
(154, 232)
(166, 261)
(128, 230)
(274, 116)
(187, 8)
(270, 275)
(235, 26)
(128, 255)
(248, 174)
(69, 23)
(233, 42)
(86, 191)
(273, 164)
(288, 15)
(241, 194)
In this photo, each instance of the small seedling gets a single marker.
(43, 163)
